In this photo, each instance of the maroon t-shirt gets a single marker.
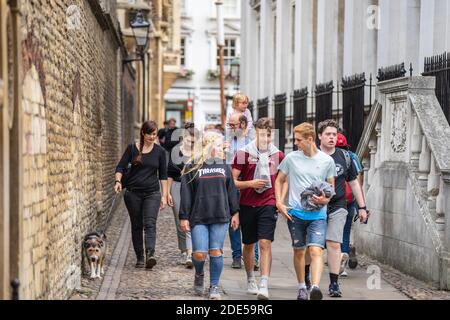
(247, 165)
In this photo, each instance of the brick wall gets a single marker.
(73, 138)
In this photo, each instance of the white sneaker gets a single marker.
(344, 274)
(182, 258)
(189, 264)
(263, 293)
(214, 293)
(252, 287)
(344, 261)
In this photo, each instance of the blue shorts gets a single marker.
(207, 237)
(306, 234)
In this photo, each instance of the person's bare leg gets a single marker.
(299, 265)
(316, 265)
(334, 256)
(307, 258)
(265, 257)
(249, 257)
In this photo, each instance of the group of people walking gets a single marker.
(239, 184)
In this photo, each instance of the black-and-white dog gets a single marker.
(94, 251)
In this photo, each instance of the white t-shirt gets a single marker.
(302, 172)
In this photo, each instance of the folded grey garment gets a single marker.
(316, 188)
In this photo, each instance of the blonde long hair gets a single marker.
(203, 152)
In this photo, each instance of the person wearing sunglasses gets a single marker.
(238, 135)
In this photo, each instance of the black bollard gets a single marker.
(15, 289)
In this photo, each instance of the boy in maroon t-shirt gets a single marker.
(252, 167)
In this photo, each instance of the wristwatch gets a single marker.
(118, 181)
(362, 208)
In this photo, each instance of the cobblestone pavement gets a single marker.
(409, 286)
(169, 280)
(90, 288)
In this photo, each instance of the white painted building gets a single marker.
(199, 54)
(291, 44)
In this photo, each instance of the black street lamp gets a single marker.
(141, 29)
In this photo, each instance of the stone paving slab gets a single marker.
(170, 280)
(283, 282)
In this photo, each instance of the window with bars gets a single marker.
(229, 52)
(183, 52)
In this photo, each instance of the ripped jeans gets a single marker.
(307, 234)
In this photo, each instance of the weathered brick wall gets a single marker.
(72, 140)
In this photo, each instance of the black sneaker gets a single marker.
(308, 281)
(140, 262)
(352, 261)
(150, 259)
(199, 280)
(334, 290)
(315, 294)
(237, 264)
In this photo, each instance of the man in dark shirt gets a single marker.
(169, 143)
(162, 132)
(337, 208)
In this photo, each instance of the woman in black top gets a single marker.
(143, 196)
(179, 157)
(208, 202)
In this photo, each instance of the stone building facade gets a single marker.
(162, 57)
(294, 44)
(65, 97)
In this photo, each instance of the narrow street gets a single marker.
(169, 280)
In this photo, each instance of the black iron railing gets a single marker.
(324, 102)
(300, 110)
(280, 119)
(353, 88)
(439, 67)
(393, 72)
(263, 108)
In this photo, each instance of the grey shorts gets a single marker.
(336, 224)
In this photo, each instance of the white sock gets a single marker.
(250, 275)
(264, 281)
(302, 285)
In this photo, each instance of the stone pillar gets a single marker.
(366, 167)
(266, 49)
(245, 28)
(282, 46)
(372, 152)
(327, 39)
(426, 31)
(384, 33)
(416, 142)
(424, 163)
(441, 28)
(304, 55)
(370, 44)
(433, 186)
(353, 37)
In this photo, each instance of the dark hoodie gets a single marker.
(209, 198)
